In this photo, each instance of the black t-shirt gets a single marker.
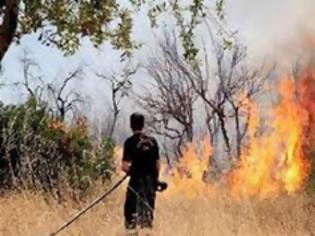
(143, 153)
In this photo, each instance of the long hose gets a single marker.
(95, 202)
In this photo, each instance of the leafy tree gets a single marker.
(64, 23)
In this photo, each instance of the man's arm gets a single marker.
(125, 166)
(126, 159)
(157, 157)
(160, 186)
(158, 165)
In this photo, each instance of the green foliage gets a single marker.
(103, 165)
(187, 19)
(219, 7)
(227, 44)
(40, 152)
(65, 22)
(197, 10)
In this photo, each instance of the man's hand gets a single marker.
(125, 166)
(161, 186)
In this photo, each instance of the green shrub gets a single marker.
(38, 151)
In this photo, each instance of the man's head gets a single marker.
(136, 122)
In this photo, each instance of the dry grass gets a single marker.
(29, 214)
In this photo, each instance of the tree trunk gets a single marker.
(113, 126)
(9, 25)
(225, 134)
(238, 133)
(190, 133)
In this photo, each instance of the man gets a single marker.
(141, 162)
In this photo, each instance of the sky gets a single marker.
(270, 28)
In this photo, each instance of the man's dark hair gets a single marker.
(136, 121)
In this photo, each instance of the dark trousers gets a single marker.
(140, 203)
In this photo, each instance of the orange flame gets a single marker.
(274, 162)
(274, 159)
(188, 177)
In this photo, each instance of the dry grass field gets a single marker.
(30, 214)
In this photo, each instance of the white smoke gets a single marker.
(272, 28)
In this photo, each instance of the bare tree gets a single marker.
(60, 99)
(120, 84)
(222, 90)
(170, 99)
(29, 78)
(64, 100)
(237, 83)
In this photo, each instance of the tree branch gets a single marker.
(9, 25)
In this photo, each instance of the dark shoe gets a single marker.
(132, 232)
